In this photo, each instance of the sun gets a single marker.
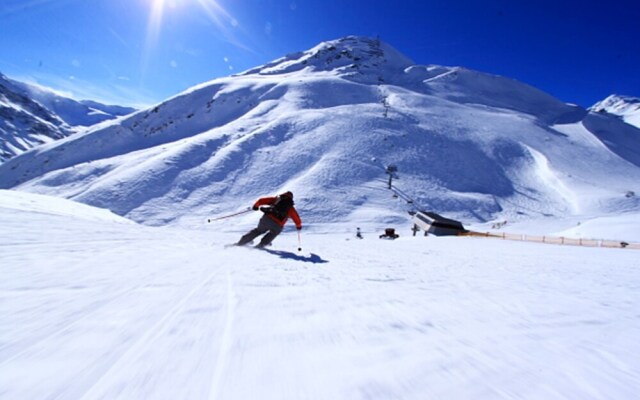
(214, 11)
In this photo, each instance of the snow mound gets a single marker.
(15, 201)
(619, 227)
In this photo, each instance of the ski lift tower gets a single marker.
(391, 170)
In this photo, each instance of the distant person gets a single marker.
(277, 211)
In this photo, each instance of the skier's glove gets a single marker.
(299, 228)
(255, 208)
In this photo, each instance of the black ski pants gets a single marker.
(266, 225)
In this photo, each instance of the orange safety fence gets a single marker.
(619, 244)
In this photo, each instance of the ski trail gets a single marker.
(29, 343)
(224, 349)
(103, 374)
(551, 179)
(42, 339)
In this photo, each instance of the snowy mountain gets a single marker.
(324, 123)
(169, 312)
(30, 116)
(625, 107)
(74, 113)
(25, 123)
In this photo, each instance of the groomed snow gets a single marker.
(93, 307)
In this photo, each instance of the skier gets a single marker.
(276, 212)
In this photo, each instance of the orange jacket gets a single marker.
(292, 212)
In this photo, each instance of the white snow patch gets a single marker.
(11, 201)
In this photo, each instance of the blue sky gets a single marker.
(139, 52)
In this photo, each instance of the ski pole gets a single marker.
(299, 243)
(230, 215)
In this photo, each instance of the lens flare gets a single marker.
(221, 19)
(153, 32)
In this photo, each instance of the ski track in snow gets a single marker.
(100, 389)
(129, 312)
(225, 344)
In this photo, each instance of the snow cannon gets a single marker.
(389, 233)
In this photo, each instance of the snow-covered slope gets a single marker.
(30, 116)
(25, 123)
(467, 144)
(29, 203)
(626, 107)
(92, 308)
(73, 112)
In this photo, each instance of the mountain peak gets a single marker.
(617, 101)
(351, 54)
(625, 107)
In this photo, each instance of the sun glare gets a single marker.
(155, 20)
(215, 12)
(220, 18)
(212, 9)
(153, 31)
